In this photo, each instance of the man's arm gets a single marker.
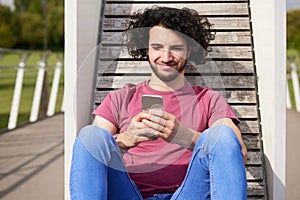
(105, 124)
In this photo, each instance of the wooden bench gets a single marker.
(229, 70)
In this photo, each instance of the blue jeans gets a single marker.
(216, 170)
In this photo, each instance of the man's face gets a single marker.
(167, 53)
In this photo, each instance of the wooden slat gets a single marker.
(205, 8)
(219, 23)
(252, 142)
(249, 127)
(217, 82)
(254, 158)
(256, 189)
(239, 97)
(221, 38)
(254, 173)
(249, 112)
(216, 67)
(236, 52)
(211, 81)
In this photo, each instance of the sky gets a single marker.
(8, 3)
(292, 4)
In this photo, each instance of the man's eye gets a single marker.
(177, 49)
(156, 47)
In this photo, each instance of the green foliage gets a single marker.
(6, 20)
(21, 5)
(32, 32)
(293, 29)
(56, 23)
(28, 22)
(5, 32)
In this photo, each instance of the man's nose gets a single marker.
(167, 55)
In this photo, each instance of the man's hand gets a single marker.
(168, 127)
(136, 133)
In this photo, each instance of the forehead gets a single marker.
(161, 35)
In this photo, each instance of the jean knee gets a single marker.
(228, 140)
(216, 137)
(97, 141)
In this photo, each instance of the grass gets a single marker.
(7, 83)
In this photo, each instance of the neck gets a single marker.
(157, 84)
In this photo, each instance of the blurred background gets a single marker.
(32, 87)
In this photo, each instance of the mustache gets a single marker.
(169, 63)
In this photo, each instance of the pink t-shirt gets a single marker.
(158, 166)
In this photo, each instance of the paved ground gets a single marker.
(293, 156)
(31, 161)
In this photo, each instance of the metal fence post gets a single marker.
(295, 81)
(12, 122)
(54, 89)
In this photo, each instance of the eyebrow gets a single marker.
(172, 46)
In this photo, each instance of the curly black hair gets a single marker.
(192, 26)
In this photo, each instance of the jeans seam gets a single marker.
(187, 174)
(212, 178)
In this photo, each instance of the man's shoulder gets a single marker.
(128, 88)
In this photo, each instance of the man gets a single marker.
(190, 149)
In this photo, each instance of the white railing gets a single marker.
(295, 85)
(42, 67)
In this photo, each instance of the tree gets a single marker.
(293, 29)
(32, 30)
(6, 32)
(32, 11)
(56, 24)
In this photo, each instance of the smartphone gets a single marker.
(152, 102)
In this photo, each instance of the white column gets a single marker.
(295, 81)
(54, 89)
(288, 97)
(12, 123)
(37, 92)
(269, 36)
(69, 89)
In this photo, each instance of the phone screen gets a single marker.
(152, 102)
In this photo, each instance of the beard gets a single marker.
(171, 76)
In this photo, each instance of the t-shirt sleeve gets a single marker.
(219, 108)
(106, 109)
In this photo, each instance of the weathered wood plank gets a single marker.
(254, 158)
(245, 111)
(254, 173)
(221, 38)
(249, 127)
(252, 142)
(256, 189)
(214, 82)
(237, 52)
(217, 82)
(203, 8)
(215, 67)
(219, 23)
